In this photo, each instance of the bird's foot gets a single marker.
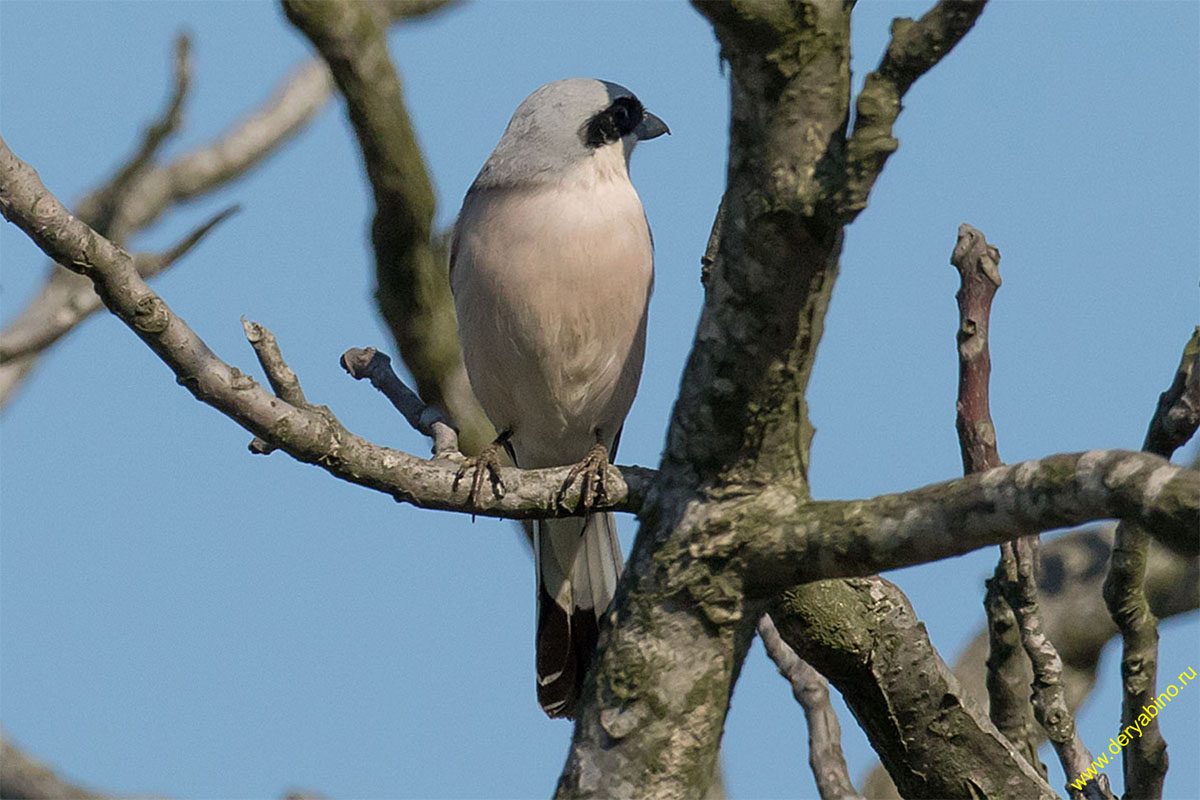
(484, 466)
(594, 471)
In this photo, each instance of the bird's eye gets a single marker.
(621, 117)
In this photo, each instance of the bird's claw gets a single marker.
(594, 469)
(485, 465)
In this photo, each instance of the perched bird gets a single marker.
(551, 267)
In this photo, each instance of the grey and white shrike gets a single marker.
(551, 267)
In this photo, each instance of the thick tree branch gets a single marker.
(915, 48)
(1069, 587)
(1145, 757)
(877, 654)
(817, 540)
(134, 197)
(811, 691)
(410, 261)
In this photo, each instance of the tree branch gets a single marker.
(411, 263)
(840, 538)
(878, 655)
(825, 756)
(112, 197)
(23, 341)
(427, 419)
(1144, 759)
(1049, 696)
(978, 265)
(915, 48)
(144, 193)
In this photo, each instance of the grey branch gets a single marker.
(410, 260)
(21, 341)
(1049, 695)
(817, 540)
(1174, 422)
(811, 691)
(377, 367)
(108, 202)
(140, 191)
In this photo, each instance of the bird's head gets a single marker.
(566, 123)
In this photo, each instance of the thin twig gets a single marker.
(978, 265)
(1049, 697)
(427, 419)
(811, 691)
(283, 380)
(1144, 758)
(107, 202)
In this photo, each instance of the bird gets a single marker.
(551, 269)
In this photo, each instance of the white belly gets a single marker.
(551, 288)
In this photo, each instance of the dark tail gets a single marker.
(578, 563)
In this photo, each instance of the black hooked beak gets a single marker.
(651, 127)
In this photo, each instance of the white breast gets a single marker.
(551, 286)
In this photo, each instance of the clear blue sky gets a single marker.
(180, 617)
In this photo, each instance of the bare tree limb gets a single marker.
(1049, 697)
(978, 265)
(1178, 413)
(411, 263)
(818, 540)
(915, 48)
(1144, 759)
(290, 107)
(878, 655)
(811, 691)
(66, 299)
(112, 196)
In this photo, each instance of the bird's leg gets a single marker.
(485, 464)
(594, 469)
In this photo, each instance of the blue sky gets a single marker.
(180, 617)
